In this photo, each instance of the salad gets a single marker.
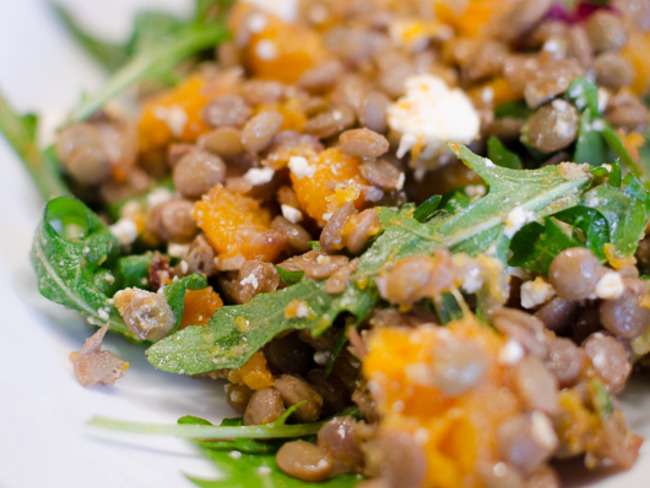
(408, 238)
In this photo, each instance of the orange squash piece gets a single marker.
(237, 227)
(329, 180)
(199, 306)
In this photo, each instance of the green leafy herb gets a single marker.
(234, 333)
(20, 132)
(73, 252)
(500, 155)
(289, 277)
(110, 55)
(426, 209)
(159, 43)
(535, 246)
(193, 428)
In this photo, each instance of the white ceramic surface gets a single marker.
(43, 411)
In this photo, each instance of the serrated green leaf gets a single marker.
(501, 156)
(535, 246)
(235, 333)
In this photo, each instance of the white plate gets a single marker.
(43, 437)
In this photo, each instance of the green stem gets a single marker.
(20, 133)
(194, 431)
(143, 65)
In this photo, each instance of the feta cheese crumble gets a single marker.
(516, 219)
(301, 168)
(610, 286)
(536, 292)
(429, 115)
(174, 116)
(125, 231)
(292, 214)
(259, 176)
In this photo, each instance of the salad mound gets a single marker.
(407, 238)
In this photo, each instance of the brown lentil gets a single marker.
(613, 70)
(609, 359)
(260, 130)
(526, 329)
(147, 315)
(174, 221)
(339, 438)
(335, 396)
(83, 154)
(535, 384)
(525, 445)
(625, 316)
(263, 91)
(372, 112)
(322, 77)
(223, 141)
(574, 273)
(289, 355)
(238, 396)
(200, 257)
(331, 239)
(197, 172)
(305, 461)
(558, 314)
(295, 390)
(605, 31)
(226, 110)
(297, 237)
(565, 361)
(264, 406)
(331, 122)
(363, 143)
(553, 127)
(394, 455)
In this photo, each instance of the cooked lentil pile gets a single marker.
(276, 163)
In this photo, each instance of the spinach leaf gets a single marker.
(235, 333)
(74, 256)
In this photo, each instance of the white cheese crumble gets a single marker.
(125, 231)
(321, 357)
(266, 50)
(430, 114)
(536, 292)
(251, 279)
(610, 286)
(174, 116)
(473, 191)
(158, 196)
(286, 10)
(177, 250)
(263, 471)
(103, 314)
(292, 214)
(516, 219)
(235, 455)
(256, 22)
(259, 176)
(300, 167)
(542, 430)
(511, 353)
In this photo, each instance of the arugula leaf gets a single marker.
(261, 471)
(20, 132)
(72, 254)
(110, 55)
(584, 94)
(289, 277)
(590, 228)
(535, 246)
(500, 155)
(235, 333)
(426, 209)
(240, 461)
(158, 44)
